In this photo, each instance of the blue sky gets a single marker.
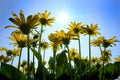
(106, 13)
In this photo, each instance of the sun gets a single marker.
(63, 17)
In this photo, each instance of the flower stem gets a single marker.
(39, 51)
(54, 56)
(79, 53)
(44, 56)
(28, 57)
(19, 59)
(33, 65)
(12, 60)
(40, 36)
(103, 64)
(68, 55)
(89, 53)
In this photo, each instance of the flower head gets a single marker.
(110, 42)
(98, 41)
(95, 60)
(106, 55)
(44, 45)
(9, 52)
(74, 54)
(91, 30)
(75, 28)
(65, 37)
(18, 38)
(24, 24)
(44, 18)
(4, 59)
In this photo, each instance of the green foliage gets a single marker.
(11, 72)
(37, 55)
(62, 64)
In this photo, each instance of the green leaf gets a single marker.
(62, 59)
(62, 64)
(11, 72)
(37, 55)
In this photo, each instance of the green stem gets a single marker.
(12, 60)
(33, 65)
(68, 55)
(19, 59)
(54, 56)
(103, 64)
(39, 51)
(79, 53)
(28, 57)
(40, 36)
(44, 56)
(89, 53)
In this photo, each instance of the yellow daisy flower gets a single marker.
(18, 38)
(45, 19)
(98, 41)
(24, 24)
(106, 55)
(110, 42)
(75, 28)
(91, 30)
(44, 45)
(73, 54)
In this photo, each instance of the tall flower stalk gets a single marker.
(44, 20)
(91, 30)
(19, 59)
(28, 56)
(76, 29)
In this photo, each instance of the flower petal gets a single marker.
(10, 27)
(16, 17)
(14, 21)
(22, 16)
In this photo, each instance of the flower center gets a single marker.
(25, 28)
(76, 30)
(43, 21)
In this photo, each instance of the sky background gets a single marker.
(105, 13)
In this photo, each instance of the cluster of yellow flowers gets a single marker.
(26, 26)
(10, 54)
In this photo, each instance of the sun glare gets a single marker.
(63, 17)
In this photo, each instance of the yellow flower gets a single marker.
(18, 39)
(117, 59)
(106, 55)
(5, 59)
(91, 30)
(44, 18)
(23, 64)
(24, 24)
(98, 41)
(110, 42)
(94, 60)
(55, 38)
(55, 41)
(64, 37)
(13, 52)
(44, 45)
(75, 28)
(73, 54)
